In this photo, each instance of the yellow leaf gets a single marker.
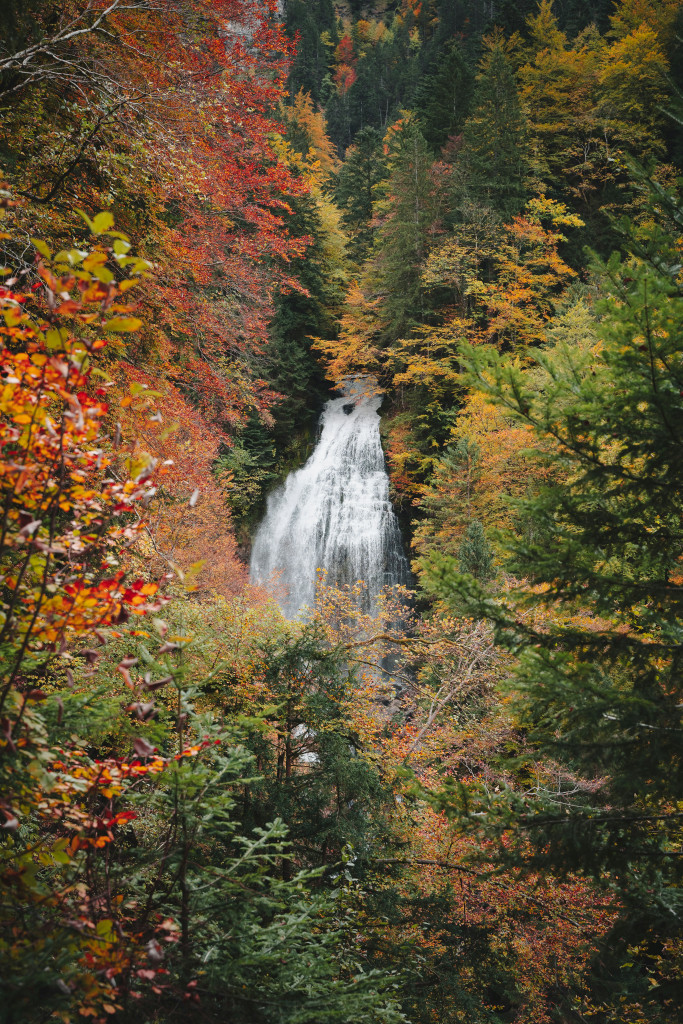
(124, 323)
(94, 259)
(41, 247)
(102, 222)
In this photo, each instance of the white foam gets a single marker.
(334, 513)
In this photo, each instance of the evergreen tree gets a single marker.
(338, 118)
(247, 468)
(673, 120)
(599, 676)
(291, 368)
(355, 189)
(264, 947)
(475, 556)
(385, 76)
(444, 97)
(310, 19)
(261, 452)
(406, 214)
(495, 148)
(446, 502)
(451, 15)
(339, 800)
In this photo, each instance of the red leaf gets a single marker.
(146, 975)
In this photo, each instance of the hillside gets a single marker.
(454, 799)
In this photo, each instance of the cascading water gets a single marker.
(334, 513)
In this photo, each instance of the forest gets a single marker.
(453, 799)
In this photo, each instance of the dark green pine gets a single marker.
(444, 97)
(475, 555)
(495, 150)
(355, 190)
(597, 689)
(402, 240)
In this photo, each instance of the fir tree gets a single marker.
(402, 239)
(495, 147)
(475, 556)
(356, 189)
(444, 98)
(310, 19)
(291, 368)
(599, 679)
(313, 722)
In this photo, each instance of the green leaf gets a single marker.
(146, 656)
(87, 220)
(42, 248)
(170, 429)
(76, 256)
(103, 274)
(194, 570)
(56, 338)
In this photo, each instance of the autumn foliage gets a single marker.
(463, 806)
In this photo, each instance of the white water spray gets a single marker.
(334, 513)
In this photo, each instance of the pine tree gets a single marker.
(291, 368)
(444, 98)
(475, 556)
(599, 679)
(384, 79)
(406, 212)
(339, 799)
(355, 189)
(495, 146)
(310, 19)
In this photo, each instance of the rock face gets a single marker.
(334, 514)
(244, 28)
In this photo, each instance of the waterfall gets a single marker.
(334, 513)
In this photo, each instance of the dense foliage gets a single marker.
(462, 807)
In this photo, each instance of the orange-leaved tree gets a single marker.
(67, 517)
(166, 114)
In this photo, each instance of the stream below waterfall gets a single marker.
(334, 513)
